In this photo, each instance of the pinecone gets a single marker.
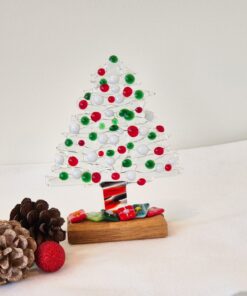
(43, 223)
(16, 251)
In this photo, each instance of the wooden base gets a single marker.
(98, 232)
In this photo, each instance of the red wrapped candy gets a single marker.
(77, 216)
(154, 211)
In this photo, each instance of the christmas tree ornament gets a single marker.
(42, 222)
(77, 216)
(126, 213)
(50, 256)
(141, 210)
(153, 211)
(17, 249)
(95, 216)
(112, 141)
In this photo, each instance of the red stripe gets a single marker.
(109, 205)
(108, 192)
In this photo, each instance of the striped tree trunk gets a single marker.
(115, 195)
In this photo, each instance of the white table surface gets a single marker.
(204, 254)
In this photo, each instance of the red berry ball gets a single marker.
(50, 256)
(121, 149)
(133, 131)
(81, 142)
(159, 150)
(95, 116)
(160, 128)
(83, 104)
(127, 91)
(115, 176)
(72, 161)
(138, 109)
(104, 87)
(141, 181)
(101, 71)
(168, 167)
(111, 99)
(96, 177)
(101, 153)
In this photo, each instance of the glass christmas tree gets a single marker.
(113, 140)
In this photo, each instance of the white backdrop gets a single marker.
(192, 53)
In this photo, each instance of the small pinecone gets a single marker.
(16, 251)
(43, 223)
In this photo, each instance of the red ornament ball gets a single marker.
(95, 116)
(81, 142)
(96, 177)
(141, 181)
(115, 176)
(83, 104)
(127, 91)
(101, 153)
(50, 256)
(159, 150)
(104, 87)
(168, 167)
(138, 109)
(160, 128)
(101, 71)
(121, 149)
(133, 131)
(72, 161)
(111, 99)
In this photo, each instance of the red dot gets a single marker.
(101, 71)
(83, 104)
(101, 153)
(168, 167)
(127, 91)
(81, 142)
(160, 128)
(138, 109)
(133, 131)
(95, 116)
(111, 99)
(158, 150)
(121, 149)
(115, 176)
(141, 181)
(96, 177)
(104, 87)
(73, 161)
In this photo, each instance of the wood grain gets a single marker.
(97, 232)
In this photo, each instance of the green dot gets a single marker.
(85, 120)
(139, 94)
(101, 125)
(152, 135)
(63, 176)
(129, 78)
(87, 96)
(130, 145)
(127, 163)
(129, 115)
(122, 112)
(86, 177)
(113, 59)
(68, 142)
(114, 121)
(150, 164)
(103, 81)
(92, 136)
(110, 152)
(113, 128)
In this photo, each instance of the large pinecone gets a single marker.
(16, 251)
(43, 223)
